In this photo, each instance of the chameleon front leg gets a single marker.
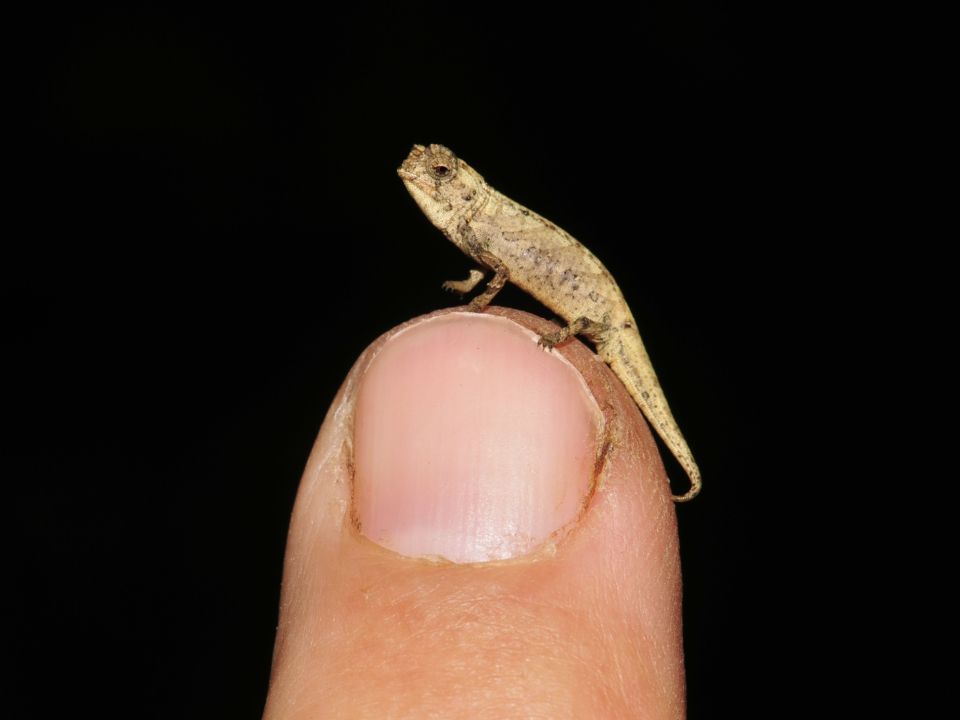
(581, 326)
(464, 286)
(499, 279)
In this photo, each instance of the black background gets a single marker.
(213, 230)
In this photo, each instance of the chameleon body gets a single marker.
(540, 258)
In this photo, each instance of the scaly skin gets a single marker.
(549, 264)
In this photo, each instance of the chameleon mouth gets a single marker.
(416, 152)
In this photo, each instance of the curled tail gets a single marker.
(628, 358)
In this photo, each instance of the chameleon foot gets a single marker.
(550, 340)
(462, 287)
(581, 326)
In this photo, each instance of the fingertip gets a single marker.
(582, 615)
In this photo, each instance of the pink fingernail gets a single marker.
(471, 443)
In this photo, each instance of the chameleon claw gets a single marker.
(462, 287)
(549, 340)
(546, 343)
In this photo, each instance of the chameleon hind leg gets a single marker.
(591, 329)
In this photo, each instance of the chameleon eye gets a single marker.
(441, 170)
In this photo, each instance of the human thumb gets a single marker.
(484, 530)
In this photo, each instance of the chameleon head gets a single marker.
(444, 186)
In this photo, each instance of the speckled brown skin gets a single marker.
(543, 260)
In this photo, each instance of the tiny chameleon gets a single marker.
(537, 256)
